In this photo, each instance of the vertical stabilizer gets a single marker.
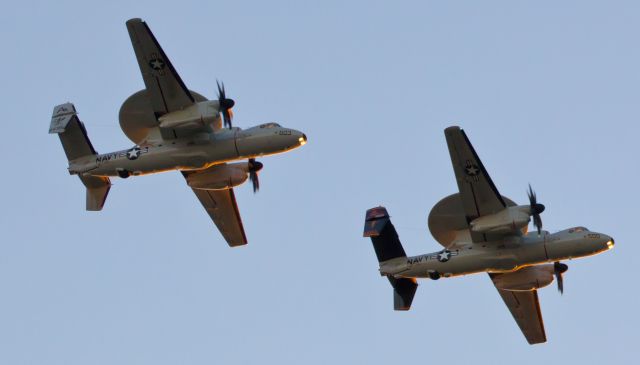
(97, 190)
(71, 131)
(386, 243)
(404, 290)
(76, 144)
(383, 234)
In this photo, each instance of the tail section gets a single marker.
(383, 234)
(72, 133)
(76, 144)
(387, 245)
(403, 291)
(97, 189)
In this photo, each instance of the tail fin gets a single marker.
(383, 234)
(97, 190)
(76, 144)
(403, 291)
(387, 245)
(73, 135)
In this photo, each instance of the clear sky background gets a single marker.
(547, 92)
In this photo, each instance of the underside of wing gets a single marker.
(525, 308)
(478, 194)
(165, 88)
(222, 208)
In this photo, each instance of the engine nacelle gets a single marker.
(219, 177)
(526, 279)
(507, 220)
(197, 114)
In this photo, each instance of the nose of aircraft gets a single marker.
(605, 242)
(610, 243)
(302, 139)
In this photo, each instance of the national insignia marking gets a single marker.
(133, 153)
(156, 64)
(471, 169)
(444, 256)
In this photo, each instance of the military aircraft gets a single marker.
(483, 231)
(175, 128)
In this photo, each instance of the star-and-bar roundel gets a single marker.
(156, 64)
(133, 153)
(471, 169)
(444, 256)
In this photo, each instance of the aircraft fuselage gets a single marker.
(507, 255)
(197, 152)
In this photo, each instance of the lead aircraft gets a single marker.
(175, 128)
(483, 231)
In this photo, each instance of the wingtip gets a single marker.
(134, 20)
(237, 244)
(452, 128)
(537, 341)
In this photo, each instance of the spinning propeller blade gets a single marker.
(558, 269)
(225, 104)
(254, 167)
(535, 209)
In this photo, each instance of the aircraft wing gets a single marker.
(165, 89)
(223, 210)
(479, 195)
(525, 308)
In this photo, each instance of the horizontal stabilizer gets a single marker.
(403, 292)
(97, 189)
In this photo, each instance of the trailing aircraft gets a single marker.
(482, 231)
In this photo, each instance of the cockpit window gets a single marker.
(270, 125)
(578, 229)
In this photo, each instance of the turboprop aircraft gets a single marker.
(175, 128)
(483, 231)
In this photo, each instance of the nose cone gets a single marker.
(302, 140)
(610, 243)
(604, 243)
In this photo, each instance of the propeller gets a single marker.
(558, 269)
(535, 209)
(254, 167)
(225, 104)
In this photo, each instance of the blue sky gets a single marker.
(546, 91)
